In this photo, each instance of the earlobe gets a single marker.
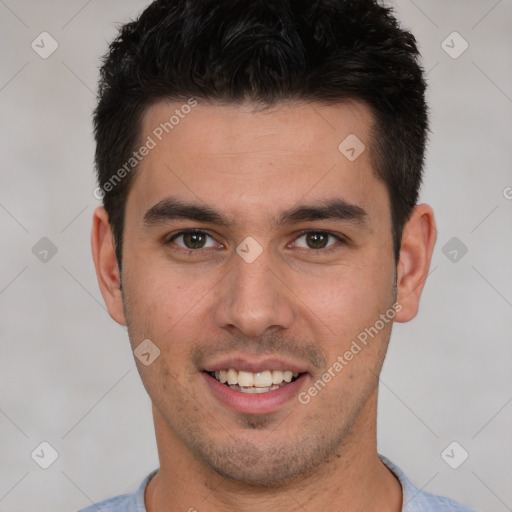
(418, 241)
(105, 262)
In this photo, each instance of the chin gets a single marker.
(256, 464)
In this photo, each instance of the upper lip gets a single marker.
(255, 365)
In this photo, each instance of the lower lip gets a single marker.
(254, 403)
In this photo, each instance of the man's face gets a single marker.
(211, 301)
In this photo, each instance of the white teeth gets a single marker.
(257, 390)
(232, 377)
(287, 376)
(277, 377)
(262, 379)
(266, 380)
(245, 379)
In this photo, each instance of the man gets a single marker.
(260, 165)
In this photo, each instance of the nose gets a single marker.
(254, 297)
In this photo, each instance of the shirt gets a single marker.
(413, 499)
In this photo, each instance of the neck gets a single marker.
(354, 478)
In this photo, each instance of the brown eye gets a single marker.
(317, 239)
(192, 240)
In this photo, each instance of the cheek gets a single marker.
(167, 306)
(160, 290)
(349, 299)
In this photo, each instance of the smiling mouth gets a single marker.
(249, 382)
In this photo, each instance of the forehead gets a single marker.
(242, 159)
(234, 129)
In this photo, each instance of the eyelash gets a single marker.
(191, 252)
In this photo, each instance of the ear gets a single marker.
(105, 262)
(418, 240)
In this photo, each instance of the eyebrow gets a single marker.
(172, 208)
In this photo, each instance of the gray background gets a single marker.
(67, 375)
